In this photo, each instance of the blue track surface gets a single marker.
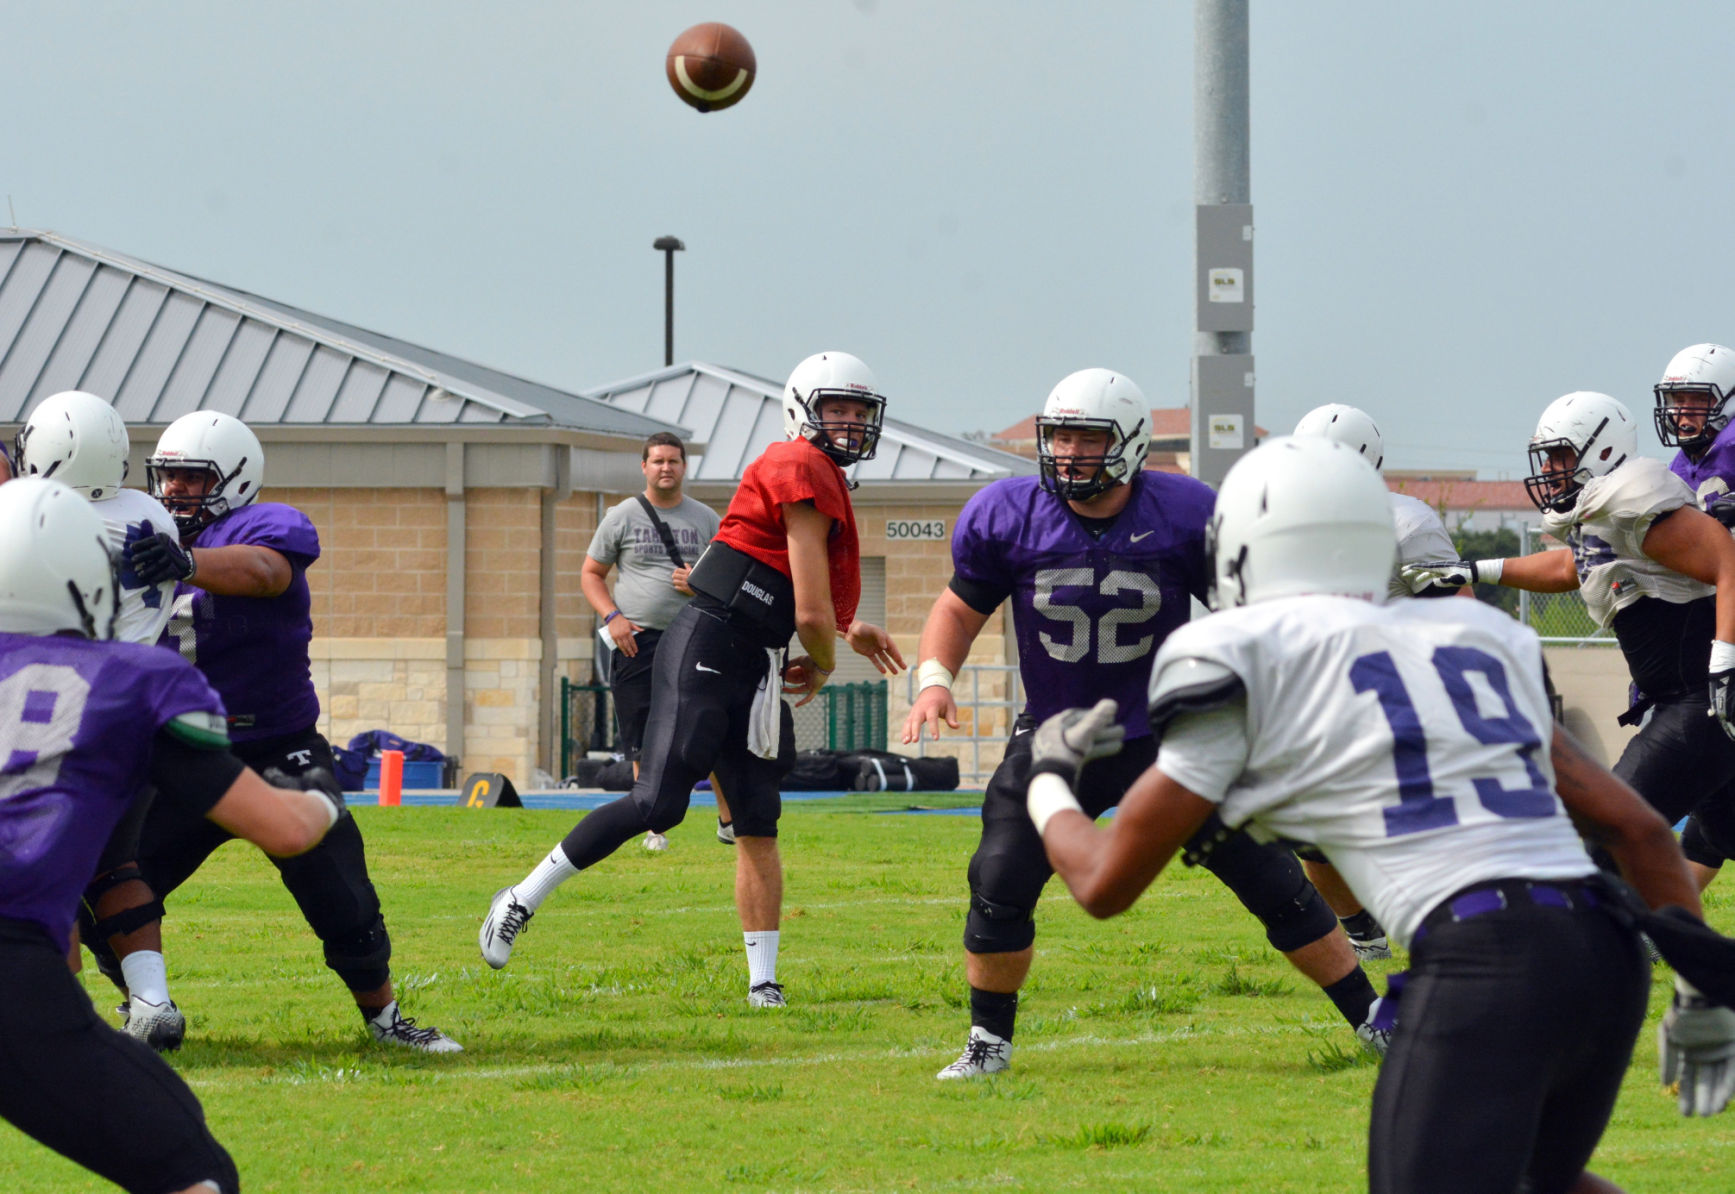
(585, 801)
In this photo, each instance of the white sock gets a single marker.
(146, 976)
(761, 957)
(549, 874)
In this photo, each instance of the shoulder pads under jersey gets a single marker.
(1191, 685)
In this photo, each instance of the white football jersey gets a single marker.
(1606, 530)
(1422, 539)
(129, 515)
(1408, 741)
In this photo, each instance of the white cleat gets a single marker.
(656, 842)
(1371, 949)
(726, 832)
(505, 920)
(392, 1027)
(767, 995)
(159, 1025)
(984, 1053)
(1375, 1040)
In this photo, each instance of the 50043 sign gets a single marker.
(907, 529)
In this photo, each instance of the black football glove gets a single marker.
(1723, 510)
(314, 779)
(159, 558)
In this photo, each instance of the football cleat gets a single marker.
(984, 1053)
(159, 1025)
(1375, 1040)
(505, 920)
(656, 842)
(392, 1027)
(766, 995)
(726, 832)
(1371, 949)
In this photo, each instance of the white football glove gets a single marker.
(1071, 738)
(1696, 1047)
(1722, 679)
(1449, 574)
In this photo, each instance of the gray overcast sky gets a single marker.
(1463, 210)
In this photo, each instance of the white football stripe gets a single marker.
(693, 89)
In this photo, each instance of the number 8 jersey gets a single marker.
(1409, 742)
(1091, 601)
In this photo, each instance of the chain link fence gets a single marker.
(1560, 619)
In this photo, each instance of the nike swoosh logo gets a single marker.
(1143, 535)
(701, 667)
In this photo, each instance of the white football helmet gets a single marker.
(77, 439)
(1704, 371)
(833, 375)
(1094, 400)
(221, 445)
(56, 572)
(1598, 431)
(1348, 425)
(1301, 515)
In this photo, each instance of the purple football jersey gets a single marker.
(254, 649)
(1089, 612)
(77, 722)
(1712, 476)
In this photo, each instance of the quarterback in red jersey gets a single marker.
(785, 561)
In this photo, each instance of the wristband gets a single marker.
(1487, 572)
(331, 809)
(824, 671)
(1049, 794)
(1722, 656)
(610, 616)
(934, 674)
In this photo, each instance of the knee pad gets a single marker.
(95, 931)
(128, 920)
(361, 959)
(992, 928)
(1702, 846)
(1271, 885)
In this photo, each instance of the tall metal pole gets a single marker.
(1222, 408)
(669, 246)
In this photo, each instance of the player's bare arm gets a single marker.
(1108, 869)
(1541, 572)
(1691, 542)
(593, 582)
(951, 628)
(1617, 818)
(280, 821)
(241, 570)
(815, 619)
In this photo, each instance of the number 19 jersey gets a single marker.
(1409, 742)
(1089, 611)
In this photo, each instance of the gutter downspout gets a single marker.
(455, 561)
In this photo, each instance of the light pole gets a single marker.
(668, 246)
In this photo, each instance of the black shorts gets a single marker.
(630, 682)
(1515, 1029)
(92, 1094)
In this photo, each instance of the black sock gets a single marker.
(993, 1011)
(1362, 925)
(1353, 995)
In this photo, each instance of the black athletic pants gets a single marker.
(630, 682)
(1682, 762)
(88, 1092)
(1516, 1029)
(330, 882)
(1010, 868)
(702, 687)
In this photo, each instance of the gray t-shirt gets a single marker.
(627, 540)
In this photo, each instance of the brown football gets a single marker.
(711, 67)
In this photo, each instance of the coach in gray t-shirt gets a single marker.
(650, 589)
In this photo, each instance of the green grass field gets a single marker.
(1168, 1049)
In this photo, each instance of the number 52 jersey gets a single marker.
(1409, 742)
(1089, 610)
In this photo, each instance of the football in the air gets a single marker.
(711, 67)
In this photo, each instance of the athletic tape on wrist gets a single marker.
(1049, 794)
(934, 674)
(1722, 656)
(1487, 572)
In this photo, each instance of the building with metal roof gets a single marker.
(736, 415)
